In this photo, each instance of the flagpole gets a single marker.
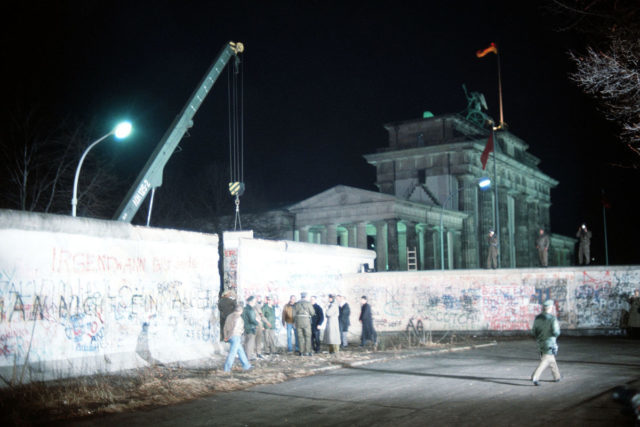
(495, 189)
(604, 220)
(499, 90)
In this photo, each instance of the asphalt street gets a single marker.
(478, 386)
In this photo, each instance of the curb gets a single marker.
(341, 365)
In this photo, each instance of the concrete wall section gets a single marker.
(284, 268)
(79, 296)
(498, 300)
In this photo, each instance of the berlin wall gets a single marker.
(80, 296)
(586, 299)
(284, 268)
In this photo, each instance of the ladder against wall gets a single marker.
(412, 259)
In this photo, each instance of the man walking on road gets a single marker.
(546, 330)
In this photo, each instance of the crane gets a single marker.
(150, 176)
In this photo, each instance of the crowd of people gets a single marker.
(250, 327)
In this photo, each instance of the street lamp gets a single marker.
(483, 183)
(121, 131)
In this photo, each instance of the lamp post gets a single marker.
(483, 183)
(121, 131)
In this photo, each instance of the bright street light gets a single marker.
(484, 183)
(122, 130)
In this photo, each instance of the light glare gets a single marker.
(123, 130)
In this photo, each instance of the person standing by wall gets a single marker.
(332, 328)
(366, 318)
(250, 324)
(584, 245)
(492, 255)
(542, 244)
(302, 312)
(226, 305)
(287, 320)
(546, 329)
(344, 320)
(233, 329)
(257, 307)
(316, 321)
(633, 323)
(269, 323)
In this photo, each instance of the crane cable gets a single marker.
(235, 92)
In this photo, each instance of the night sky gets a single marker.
(321, 78)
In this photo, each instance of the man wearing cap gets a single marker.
(492, 256)
(302, 312)
(546, 330)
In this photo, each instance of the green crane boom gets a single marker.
(151, 175)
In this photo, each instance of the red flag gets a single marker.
(483, 52)
(487, 150)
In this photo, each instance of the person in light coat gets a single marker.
(332, 329)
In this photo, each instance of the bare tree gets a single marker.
(40, 159)
(608, 70)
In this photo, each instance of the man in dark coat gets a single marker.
(584, 248)
(343, 318)
(250, 323)
(316, 321)
(368, 333)
(542, 243)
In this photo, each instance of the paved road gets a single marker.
(482, 386)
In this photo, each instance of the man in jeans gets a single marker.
(233, 329)
(287, 320)
(546, 330)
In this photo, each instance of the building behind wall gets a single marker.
(427, 176)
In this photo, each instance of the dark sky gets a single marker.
(320, 80)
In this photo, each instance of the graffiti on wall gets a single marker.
(91, 296)
(509, 301)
